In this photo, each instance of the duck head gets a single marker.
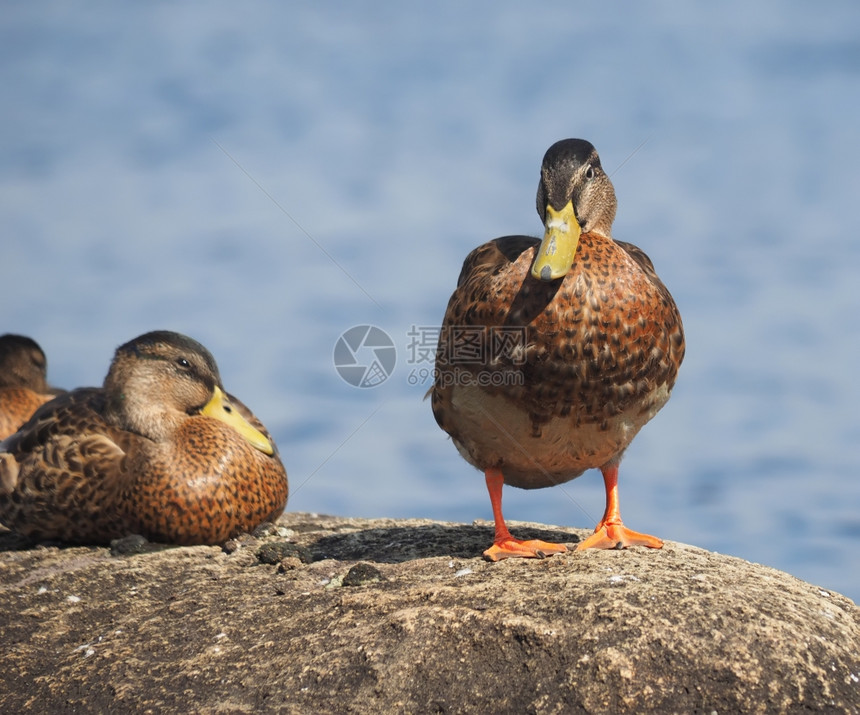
(574, 196)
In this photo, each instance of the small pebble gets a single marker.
(231, 546)
(265, 529)
(276, 551)
(361, 574)
(128, 545)
(291, 563)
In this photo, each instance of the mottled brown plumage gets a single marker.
(571, 367)
(159, 450)
(23, 381)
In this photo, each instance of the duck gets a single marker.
(23, 381)
(161, 450)
(554, 352)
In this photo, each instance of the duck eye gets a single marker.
(589, 173)
(183, 363)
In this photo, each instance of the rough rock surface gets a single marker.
(332, 615)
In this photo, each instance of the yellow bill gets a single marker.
(219, 408)
(558, 248)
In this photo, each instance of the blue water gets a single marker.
(264, 176)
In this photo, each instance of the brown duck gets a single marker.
(554, 353)
(23, 381)
(160, 450)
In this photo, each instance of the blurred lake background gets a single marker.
(265, 176)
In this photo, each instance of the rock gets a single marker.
(428, 626)
(127, 545)
(135, 544)
(361, 574)
(276, 551)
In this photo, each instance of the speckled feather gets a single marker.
(79, 472)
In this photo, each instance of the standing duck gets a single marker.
(160, 450)
(23, 381)
(554, 353)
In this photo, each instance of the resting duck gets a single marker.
(160, 450)
(554, 353)
(23, 381)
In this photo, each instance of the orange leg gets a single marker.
(504, 545)
(610, 533)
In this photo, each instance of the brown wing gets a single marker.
(494, 256)
(62, 473)
(482, 301)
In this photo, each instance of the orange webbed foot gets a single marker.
(611, 533)
(618, 536)
(504, 545)
(514, 548)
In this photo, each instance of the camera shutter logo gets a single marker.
(364, 356)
